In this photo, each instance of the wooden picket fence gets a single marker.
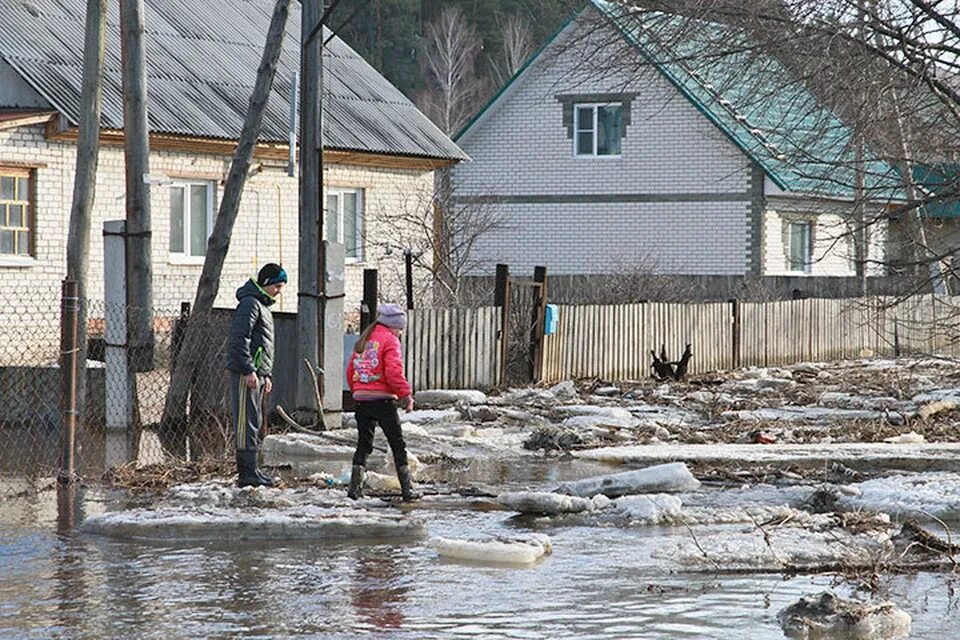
(614, 342)
(453, 348)
(461, 348)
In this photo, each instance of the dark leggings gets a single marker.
(368, 415)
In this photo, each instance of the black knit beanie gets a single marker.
(271, 273)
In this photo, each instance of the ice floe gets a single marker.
(519, 551)
(663, 478)
(438, 397)
(917, 495)
(546, 503)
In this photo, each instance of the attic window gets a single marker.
(598, 129)
(596, 122)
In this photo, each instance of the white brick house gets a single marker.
(380, 151)
(601, 158)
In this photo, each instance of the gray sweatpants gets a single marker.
(247, 413)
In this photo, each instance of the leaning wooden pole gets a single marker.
(173, 422)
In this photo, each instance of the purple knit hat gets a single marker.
(392, 315)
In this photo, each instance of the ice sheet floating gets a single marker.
(303, 523)
(515, 551)
(662, 478)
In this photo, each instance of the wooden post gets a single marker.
(311, 210)
(368, 307)
(735, 336)
(136, 151)
(408, 270)
(85, 182)
(500, 288)
(69, 306)
(501, 298)
(536, 321)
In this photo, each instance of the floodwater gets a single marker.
(598, 583)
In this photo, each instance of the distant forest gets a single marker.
(449, 56)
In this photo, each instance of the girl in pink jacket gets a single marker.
(376, 380)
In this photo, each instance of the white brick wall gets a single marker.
(521, 147)
(267, 219)
(833, 252)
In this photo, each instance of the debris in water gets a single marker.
(829, 616)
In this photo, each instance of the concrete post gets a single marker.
(119, 405)
(334, 272)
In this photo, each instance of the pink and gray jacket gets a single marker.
(377, 373)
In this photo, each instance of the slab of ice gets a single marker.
(594, 410)
(828, 616)
(544, 502)
(809, 414)
(775, 548)
(664, 478)
(850, 401)
(650, 509)
(520, 551)
(917, 495)
(943, 455)
(307, 522)
(431, 416)
(433, 397)
(303, 444)
(911, 437)
(595, 421)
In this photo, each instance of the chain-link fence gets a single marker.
(126, 411)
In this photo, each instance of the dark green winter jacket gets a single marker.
(250, 345)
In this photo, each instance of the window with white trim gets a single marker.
(799, 246)
(191, 219)
(597, 129)
(16, 212)
(345, 221)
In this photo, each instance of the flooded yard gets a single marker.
(660, 513)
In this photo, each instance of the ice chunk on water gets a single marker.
(519, 550)
(543, 502)
(652, 509)
(662, 478)
(918, 495)
(433, 397)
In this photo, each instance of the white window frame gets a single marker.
(807, 266)
(185, 257)
(339, 192)
(29, 218)
(594, 107)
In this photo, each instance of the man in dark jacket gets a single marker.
(250, 366)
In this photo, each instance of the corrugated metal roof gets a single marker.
(202, 59)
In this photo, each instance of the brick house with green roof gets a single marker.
(611, 150)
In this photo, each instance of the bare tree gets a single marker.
(443, 233)
(449, 60)
(517, 47)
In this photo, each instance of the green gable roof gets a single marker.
(777, 121)
(940, 184)
(779, 124)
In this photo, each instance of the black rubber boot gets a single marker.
(265, 480)
(406, 485)
(355, 491)
(247, 469)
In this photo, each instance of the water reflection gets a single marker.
(377, 592)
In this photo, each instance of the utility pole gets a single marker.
(136, 148)
(85, 181)
(310, 267)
